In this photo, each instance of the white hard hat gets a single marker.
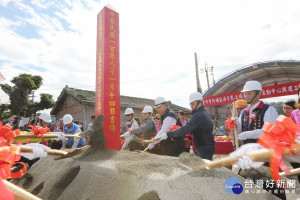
(45, 117)
(252, 85)
(147, 109)
(128, 111)
(159, 100)
(67, 119)
(195, 96)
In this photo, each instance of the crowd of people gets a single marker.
(198, 130)
(195, 133)
(63, 126)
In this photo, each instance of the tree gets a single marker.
(4, 112)
(277, 106)
(18, 94)
(45, 102)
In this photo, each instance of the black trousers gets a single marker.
(172, 147)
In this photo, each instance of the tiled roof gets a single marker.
(85, 96)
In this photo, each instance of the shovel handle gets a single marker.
(145, 150)
(19, 193)
(293, 172)
(55, 152)
(259, 155)
(235, 132)
(26, 149)
(46, 136)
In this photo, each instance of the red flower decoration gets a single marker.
(9, 154)
(230, 124)
(278, 136)
(37, 130)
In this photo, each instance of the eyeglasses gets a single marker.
(287, 108)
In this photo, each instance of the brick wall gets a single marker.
(73, 107)
(83, 111)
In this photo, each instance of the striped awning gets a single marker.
(267, 73)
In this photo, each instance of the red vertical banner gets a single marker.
(107, 96)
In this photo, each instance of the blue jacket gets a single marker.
(200, 125)
(72, 131)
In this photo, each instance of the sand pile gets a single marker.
(110, 174)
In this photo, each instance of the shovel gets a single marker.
(19, 193)
(190, 160)
(235, 132)
(62, 154)
(71, 153)
(47, 136)
(293, 172)
(260, 155)
(139, 140)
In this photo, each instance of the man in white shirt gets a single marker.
(90, 126)
(169, 147)
(253, 117)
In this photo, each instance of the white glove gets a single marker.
(75, 144)
(127, 141)
(38, 151)
(151, 145)
(127, 134)
(244, 161)
(164, 136)
(250, 134)
(64, 144)
(61, 135)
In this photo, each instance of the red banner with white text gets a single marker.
(107, 97)
(268, 91)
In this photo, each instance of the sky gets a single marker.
(56, 39)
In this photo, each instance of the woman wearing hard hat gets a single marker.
(148, 128)
(71, 128)
(255, 115)
(131, 124)
(201, 127)
(44, 119)
(38, 148)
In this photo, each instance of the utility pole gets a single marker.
(199, 89)
(211, 69)
(32, 96)
(206, 72)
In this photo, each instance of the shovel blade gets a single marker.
(74, 152)
(191, 161)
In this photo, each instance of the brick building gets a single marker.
(81, 105)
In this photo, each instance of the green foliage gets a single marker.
(45, 103)
(4, 112)
(6, 88)
(278, 107)
(18, 94)
(28, 82)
